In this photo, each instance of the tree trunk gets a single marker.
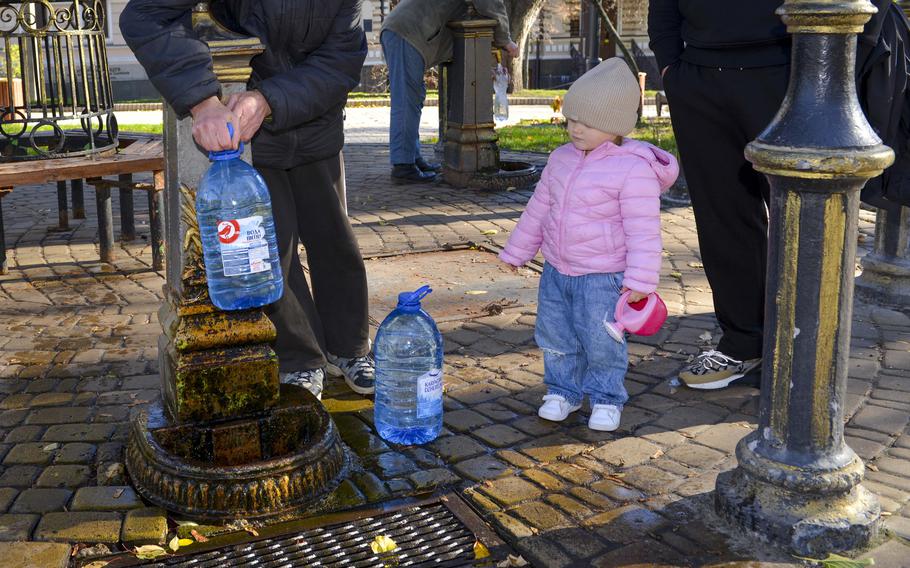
(522, 17)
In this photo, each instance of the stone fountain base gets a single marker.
(260, 467)
(509, 175)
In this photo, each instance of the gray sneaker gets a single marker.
(311, 380)
(358, 372)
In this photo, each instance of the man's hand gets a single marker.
(251, 109)
(210, 120)
(512, 49)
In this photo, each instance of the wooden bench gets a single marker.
(135, 155)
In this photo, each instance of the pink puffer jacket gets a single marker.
(598, 213)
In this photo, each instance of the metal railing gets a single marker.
(55, 87)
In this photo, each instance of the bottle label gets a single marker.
(429, 394)
(244, 249)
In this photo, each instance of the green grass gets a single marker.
(134, 101)
(144, 128)
(540, 93)
(536, 136)
(360, 95)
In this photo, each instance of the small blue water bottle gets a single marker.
(238, 233)
(408, 351)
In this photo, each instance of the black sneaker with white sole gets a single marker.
(358, 372)
(713, 370)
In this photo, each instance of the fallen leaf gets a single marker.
(118, 493)
(480, 550)
(512, 561)
(489, 232)
(199, 537)
(174, 544)
(475, 292)
(185, 541)
(676, 274)
(97, 564)
(51, 447)
(706, 337)
(150, 552)
(382, 544)
(696, 265)
(872, 467)
(657, 454)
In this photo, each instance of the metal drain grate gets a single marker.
(427, 534)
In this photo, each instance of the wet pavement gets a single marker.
(78, 353)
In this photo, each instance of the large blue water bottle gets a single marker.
(408, 355)
(238, 233)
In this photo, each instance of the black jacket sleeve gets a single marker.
(867, 41)
(178, 64)
(665, 31)
(321, 81)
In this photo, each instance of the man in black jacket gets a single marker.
(292, 112)
(725, 68)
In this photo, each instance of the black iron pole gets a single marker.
(798, 483)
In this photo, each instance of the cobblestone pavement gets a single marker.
(78, 352)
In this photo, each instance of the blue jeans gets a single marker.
(406, 67)
(580, 358)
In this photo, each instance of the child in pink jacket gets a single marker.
(595, 215)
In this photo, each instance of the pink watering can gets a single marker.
(641, 318)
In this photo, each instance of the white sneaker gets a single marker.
(604, 417)
(556, 408)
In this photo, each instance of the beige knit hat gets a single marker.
(605, 98)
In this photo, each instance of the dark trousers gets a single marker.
(308, 211)
(716, 112)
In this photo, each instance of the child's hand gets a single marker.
(634, 296)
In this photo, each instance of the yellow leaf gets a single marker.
(150, 552)
(185, 541)
(489, 232)
(480, 550)
(475, 292)
(174, 544)
(382, 544)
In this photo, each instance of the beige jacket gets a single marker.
(422, 23)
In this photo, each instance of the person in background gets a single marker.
(725, 68)
(292, 112)
(415, 38)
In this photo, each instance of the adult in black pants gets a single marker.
(725, 68)
(292, 112)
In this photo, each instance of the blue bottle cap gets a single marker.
(227, 154)
(412, 299)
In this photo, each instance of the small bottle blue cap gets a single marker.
(227, 154)
(412, 299)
